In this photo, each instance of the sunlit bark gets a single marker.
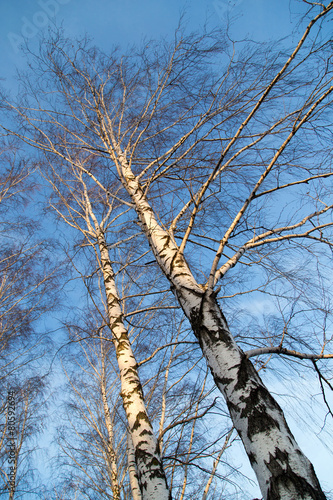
(151, 475)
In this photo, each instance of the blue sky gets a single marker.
(111, 22)
(127, 22)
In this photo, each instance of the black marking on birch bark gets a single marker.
(259, 404)
(259, 421)
(153, 466)
(174, 262)
(117, 321)
(108, 279)
(285, 479)
(141, 416)
(123, 337)
(246, 372)
(122, 346)
(166, 237)
(128, 394)
(146, 432)
(182, 273)
(222, 381)
(132, 370)
(221, 333)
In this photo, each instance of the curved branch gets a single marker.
(288, 352)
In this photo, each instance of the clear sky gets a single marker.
(111, 22)
(127, 22)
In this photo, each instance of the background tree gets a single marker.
(92, 436)
(27, 291)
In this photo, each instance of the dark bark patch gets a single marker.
(284, 479)
(246, 372)
(127, 396)
(220, 333)
(133, 370)
(181, 273)
(153, 467)
(260, 422)
(141, 416)
(146, 432)
(257, 412)
(222, 381)
(122, 346)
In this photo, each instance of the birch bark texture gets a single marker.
(152, 478)
(153, 129)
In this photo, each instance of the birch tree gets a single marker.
(223, 155)
(76, 202)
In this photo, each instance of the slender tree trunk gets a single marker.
(111, 455)
(147, 456)
(282, 470)
(132, 470)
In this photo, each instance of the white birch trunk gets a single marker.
(111, 455)
(282, 470)
(132, 470)
(147, 456)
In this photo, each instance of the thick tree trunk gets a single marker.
(147, 456)
(283, 472)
